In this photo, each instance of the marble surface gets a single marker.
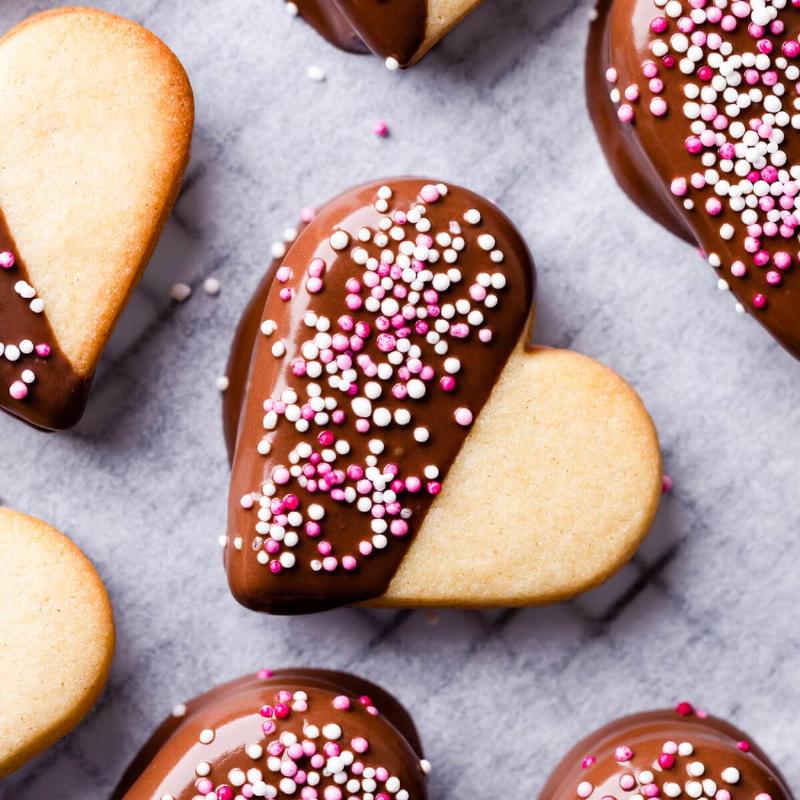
(708, 609)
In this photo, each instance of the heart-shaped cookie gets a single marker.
(395, 439)
(96, 119)
(399, 31)
(292, 733)
(696, 107)
(56, 637)
(667, 754)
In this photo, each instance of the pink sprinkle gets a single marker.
(307, 214)
(625, 113)
(627, 782)
(587, 762)
(759, 301)
(204, 786)
(623, 754)
(18, 390)
(679, 187)
(463, 416)
(341, 702)
(314, 285)
(743, 746)
(43, 350)
(360, 744)
(7, 259)
(684, 709)
(666, 484)
(264, 674)
(429, 193)
(381, 129)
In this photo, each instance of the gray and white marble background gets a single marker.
(708, 610)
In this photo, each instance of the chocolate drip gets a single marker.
(600, 767)
(389, 28)
(166, 764)
(649, 152)
(307, 584)
(56, 397)
(327, 20)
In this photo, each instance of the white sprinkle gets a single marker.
(179, 710)
(211, 286)
(206, 736)
(223, 383)
(392, 64)
(37, 305)
(316, 73)
(339, 240)
(180, 292)
(731, 775)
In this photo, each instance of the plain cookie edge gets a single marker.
(402, 600)
(69, 721)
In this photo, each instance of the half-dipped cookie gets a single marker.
(56, 637)
(295, 733)
(671, 754)
(398, 31)
(96, 124)
(695, 104)
(394, 438)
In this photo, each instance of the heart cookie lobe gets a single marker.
(56, 637)
(383, 333)
(292, 733)
(695, 108)
(668, 754)
(398, 31)
(97, 116)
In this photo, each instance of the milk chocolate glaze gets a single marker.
(328, 20)
(37, 382)
(706, 144)
(240, 734)
(389, 28)
(386, 325)
(666, 754)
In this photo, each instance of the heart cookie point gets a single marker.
(695, 109)
(97, 119)
(398, 31)
(249, 732)
(58, 623)
(668, 754)
(385, 327)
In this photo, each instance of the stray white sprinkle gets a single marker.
(211, 286)
(223, 383)
(180, 292)
(316, 73)
(392, 64)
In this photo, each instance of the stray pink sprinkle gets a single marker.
(685, 709)
(666, 484)
(381, 129)
(743, 746)
(307, 214)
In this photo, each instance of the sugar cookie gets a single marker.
(696, 109)
(678, 753)
(398, 31)
(395, 439)
(293, 733)
(96, 116)
(56, 637)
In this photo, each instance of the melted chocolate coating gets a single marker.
(306, 586)
(57, 396)
(650, 152)
(327, 20)
(389, 28)
(716, 745)
(166, 764)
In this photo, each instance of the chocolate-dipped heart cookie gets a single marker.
(397, 442)
(667, 754)
(293, 733)
(96, 120)
(696, 106)
(56, 637)
(399, 31)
